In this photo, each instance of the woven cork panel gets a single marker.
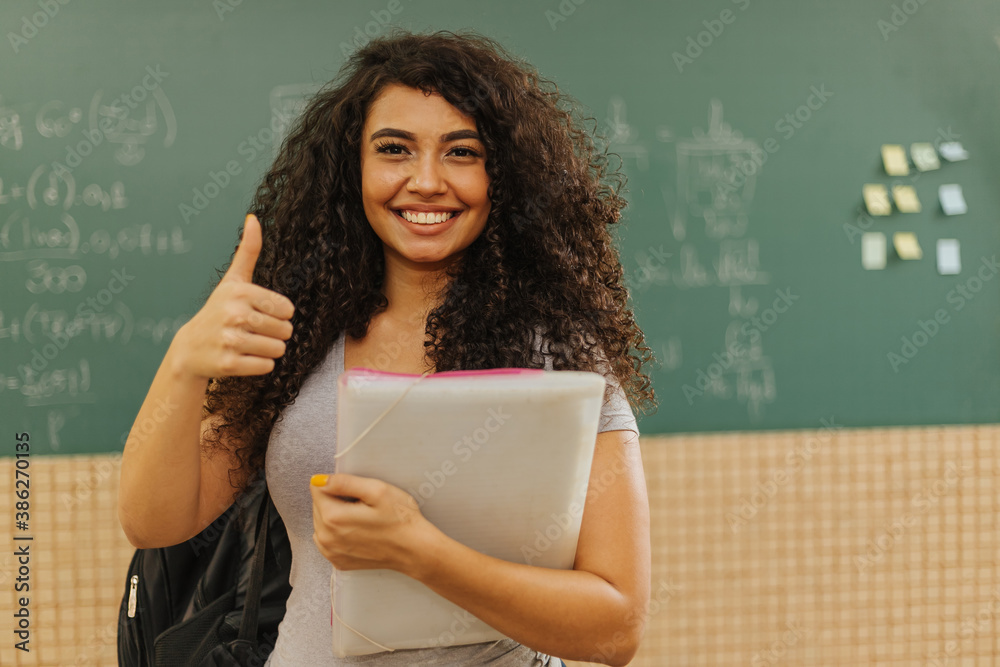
(825, 547)
(78, 560)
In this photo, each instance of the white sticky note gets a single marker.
(952, 199)
(873, 250)
(894, 160)
(949, 258)
(906, 198)
(924, 157)
(906, 245)
(952, 151)
(876, 199)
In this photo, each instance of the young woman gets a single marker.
(435, 208)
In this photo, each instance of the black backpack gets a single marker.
(216, 599)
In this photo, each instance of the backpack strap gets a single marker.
(251, 607)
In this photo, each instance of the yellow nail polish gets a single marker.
(319, 480)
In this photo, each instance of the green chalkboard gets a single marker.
(132, 136)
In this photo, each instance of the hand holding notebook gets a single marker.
(498, 460)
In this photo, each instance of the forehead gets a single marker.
(405, 108)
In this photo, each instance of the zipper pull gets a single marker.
(131, 595)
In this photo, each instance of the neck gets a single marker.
(413, 290)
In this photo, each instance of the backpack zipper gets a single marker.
(131, 595)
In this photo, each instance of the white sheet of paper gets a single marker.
(873, 250)
(952, 199)
(949, 258)
(500, 463)
(953, 151)
(924, 156)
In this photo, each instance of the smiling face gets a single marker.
(423, 178)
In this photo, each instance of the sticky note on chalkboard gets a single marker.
(876, 199)
(953, 151)
(924, 157)
(906, 245)
(873, 250)
(906, 198)
(949, 258)
(952, 199)
(894, 160)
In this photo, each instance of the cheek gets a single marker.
(377, 186)
(474, 189)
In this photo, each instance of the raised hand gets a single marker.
(242, 328)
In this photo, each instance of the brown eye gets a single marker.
(390, 148)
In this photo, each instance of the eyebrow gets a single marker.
(409, 136)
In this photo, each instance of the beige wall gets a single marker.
(875, 546)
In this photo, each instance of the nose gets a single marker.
(427, 178)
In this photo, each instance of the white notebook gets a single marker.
(499, 460)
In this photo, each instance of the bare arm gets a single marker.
(171, 486)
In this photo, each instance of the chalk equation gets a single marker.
(91, 321)
(21, 238)
(710, 205)
(52, 386)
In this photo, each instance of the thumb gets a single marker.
(245, 259)
(340, 486)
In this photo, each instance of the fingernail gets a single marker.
(319, 480)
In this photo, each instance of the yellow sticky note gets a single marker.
(906, 198)
(876, 199)
(894, 159)
(906, 245)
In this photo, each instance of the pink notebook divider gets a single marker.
(448, 374)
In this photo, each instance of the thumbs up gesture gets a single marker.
(242, 328)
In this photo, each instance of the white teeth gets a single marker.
(424, 218)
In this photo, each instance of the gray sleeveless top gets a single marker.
(303, 444)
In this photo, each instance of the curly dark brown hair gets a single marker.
(545, 261)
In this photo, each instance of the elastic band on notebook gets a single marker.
(379, 418)
(368, 639)
(347, 449)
